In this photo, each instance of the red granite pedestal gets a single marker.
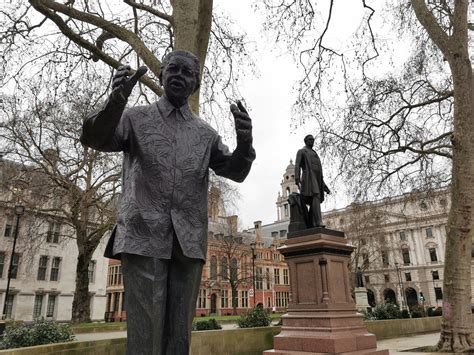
(321, 316)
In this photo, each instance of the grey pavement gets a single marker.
(395, 345)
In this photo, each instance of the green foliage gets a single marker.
(384, 311)
(206, 325)
(417, 311)
(18, 335)
(435, 312)
(405, 314)
(256, 317)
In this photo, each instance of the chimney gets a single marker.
(232, 222)
(258, 231)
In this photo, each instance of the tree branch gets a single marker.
(121, 33)
(96, 52)
(151, 10)
(428, 21)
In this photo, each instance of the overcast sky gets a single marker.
(271, 96)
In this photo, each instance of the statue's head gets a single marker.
(309, 140)
(179, 75)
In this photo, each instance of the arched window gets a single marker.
(287, 191)
(213, 267)
(234, 271)
(224, 273)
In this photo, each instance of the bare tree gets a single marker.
(63, 179)
(118, 32)
(396, 129)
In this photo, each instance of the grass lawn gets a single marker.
(113, 325)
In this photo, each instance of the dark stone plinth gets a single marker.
(321, 317)
(316, 230)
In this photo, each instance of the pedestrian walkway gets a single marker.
(400, 345)
(395, 345)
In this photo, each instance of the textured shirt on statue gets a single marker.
(167, 155)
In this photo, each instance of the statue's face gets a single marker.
(179, 79)
(309, 141)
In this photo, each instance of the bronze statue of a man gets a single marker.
(309, 178)
(161, 231)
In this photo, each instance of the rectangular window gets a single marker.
(116, 301)
(224, 299)
(2, 263)
(54, 230)
(38, 306)
(9, 306)
(386, 277)
(283, 233)
(435, 275)
(407, 276)
(276, 276)
(365, 260)
(55, 265)
(367, 279)
(201, 299)
(244, 299)
(285, 206)
(384, 258)
(282, 299)
(268, 279)
(406, 256)
(51, 306)
(91, 271)
(433, 255)
(258, 278)
(286, 277)
(276, 257)
(123, 301)
(9, 227)
(274, 235)
(15, 265)
(403, 236)
(438, 293)
(42, 267)
(429, 232)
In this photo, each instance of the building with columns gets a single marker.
(400, 241)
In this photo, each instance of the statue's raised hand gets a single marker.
(243, 123)
(123, 83)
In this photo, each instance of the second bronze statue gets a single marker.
(309, 178)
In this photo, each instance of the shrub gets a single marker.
(385, 311)
(257, 317)
(417, 311)
(18, 335)
(206, 325)
(405, 314)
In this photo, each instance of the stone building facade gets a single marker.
(400, 242)
(43, 275)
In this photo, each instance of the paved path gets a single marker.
(395, 346)
(398, 345)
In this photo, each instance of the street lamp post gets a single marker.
(400, 284)
(252, 246)
(19, 210)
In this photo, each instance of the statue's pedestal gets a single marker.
(362, 302)
(321, 316)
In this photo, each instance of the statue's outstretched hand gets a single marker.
(243, 123)
(123, 83)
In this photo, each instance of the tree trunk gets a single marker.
(456, 327)
(234, 299)
(193, 20)
(81, 310)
